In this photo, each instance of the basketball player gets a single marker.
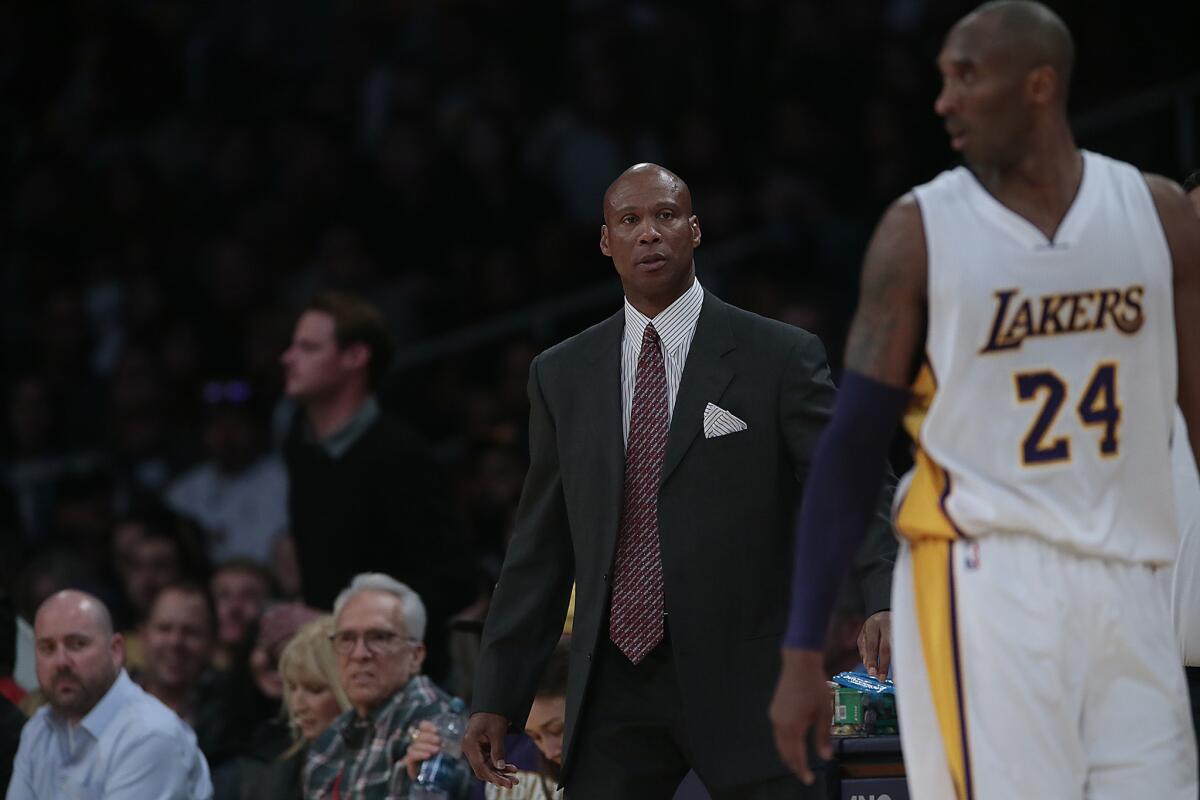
(1026, 314)
(1183, 580)
(1185, 577)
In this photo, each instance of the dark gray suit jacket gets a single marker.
(726, 511)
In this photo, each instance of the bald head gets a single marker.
(81, 606)
(78, 655)
(647, 174)
(1032, 32)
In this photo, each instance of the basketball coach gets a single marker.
(668, 446)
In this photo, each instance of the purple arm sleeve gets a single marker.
(840, 497)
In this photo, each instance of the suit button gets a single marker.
(589, 656)
(604, 577)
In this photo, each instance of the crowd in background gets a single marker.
(177, 179)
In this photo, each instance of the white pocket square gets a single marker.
(719, 422)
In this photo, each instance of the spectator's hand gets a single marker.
(875, 644)
(424, 743)
(483, 745)
(801, 702)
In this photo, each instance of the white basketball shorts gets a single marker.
(1024, 671)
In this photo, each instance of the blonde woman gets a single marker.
(313, 698)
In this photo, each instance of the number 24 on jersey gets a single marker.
(1098, 407)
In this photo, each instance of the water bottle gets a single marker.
(436, 780)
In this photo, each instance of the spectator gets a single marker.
(363, 489)
(179, 645)
(100, 735)
(278, 625)
(313, 698)
(11, 718)
(240, 590)
(156, 549)
(244, 720)
(239, 495)
(375, 749)
(178, 648)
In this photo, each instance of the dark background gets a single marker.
(176, 177)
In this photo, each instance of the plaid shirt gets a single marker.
(367, 752)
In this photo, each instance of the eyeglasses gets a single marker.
(377, 642)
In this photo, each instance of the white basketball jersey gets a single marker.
(1045, 404)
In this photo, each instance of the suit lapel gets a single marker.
(601, 395)
(705, 376)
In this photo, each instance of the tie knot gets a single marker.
(649, 336)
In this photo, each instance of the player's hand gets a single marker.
(801, 703)
(424, 743)
(483, 744)
(875, 644)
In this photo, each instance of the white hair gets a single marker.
(411, 606)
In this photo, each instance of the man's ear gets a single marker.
(356, 356)
(1042, 85)
(604, 241)
(418, 655)
(118, 650)
(694, 222)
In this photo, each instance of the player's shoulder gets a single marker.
(1175, 211)
(899, 239)
(904, 212)
(1178, 218)
(948, 184)
(1115, 174)
(1162, 187)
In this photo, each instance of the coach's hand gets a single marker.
(801, 702)
(875, 644)
(483, 744)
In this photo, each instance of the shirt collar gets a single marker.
(336, 444)
(673, 323)
(106, 710)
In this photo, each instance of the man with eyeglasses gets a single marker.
(375, 749)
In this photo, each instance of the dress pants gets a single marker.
(632, 740)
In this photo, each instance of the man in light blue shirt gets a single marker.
(100, 736)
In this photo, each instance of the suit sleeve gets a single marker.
(529, 606)
(806, 402)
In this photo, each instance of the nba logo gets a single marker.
(972, 558)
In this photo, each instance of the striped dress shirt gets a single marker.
(676, 326)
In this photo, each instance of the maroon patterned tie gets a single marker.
(635, 620)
